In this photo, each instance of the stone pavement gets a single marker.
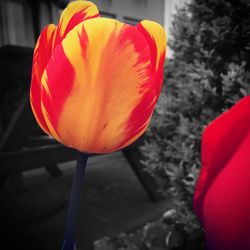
(112, 201)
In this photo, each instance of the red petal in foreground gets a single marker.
(222, 200)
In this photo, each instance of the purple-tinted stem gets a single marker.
(69, 238)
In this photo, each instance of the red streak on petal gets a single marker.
(84, 40)
(158, 69)
(151, 44)
(77, 18)
(160, 74)
(143, 111)
(41, 57)
(60, 82)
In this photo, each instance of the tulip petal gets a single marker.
(156, 38)
(219, 143)
(75, 13)
(104, 72)
(42, 54)
(221, 198)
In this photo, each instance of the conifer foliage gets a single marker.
(209, 72)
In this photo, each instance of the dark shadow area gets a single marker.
(113, 201)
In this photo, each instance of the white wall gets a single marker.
(16, 25)
(169, 10)
(138, 9)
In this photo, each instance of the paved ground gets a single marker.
(112, 201)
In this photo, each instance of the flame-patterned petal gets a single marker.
(42, 54)
(98, 68)
(156, 37)
(75, 13)
(97, 79)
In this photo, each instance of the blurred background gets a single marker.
(140, 197)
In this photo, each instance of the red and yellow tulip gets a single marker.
(95, 81)
(222, 200)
